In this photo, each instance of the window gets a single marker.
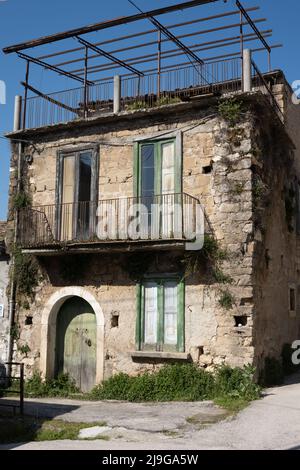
(292, 300)
(158, 183)
(76, 194)
(160, 315)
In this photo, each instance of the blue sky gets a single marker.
(21, 20)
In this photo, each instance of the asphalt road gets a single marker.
(270, 423)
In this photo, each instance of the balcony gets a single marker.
(158, 221)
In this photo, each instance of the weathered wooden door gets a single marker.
(76, 342)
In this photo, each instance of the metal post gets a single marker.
(269, 60)
(247, 79)
(22, 389)
(159, 66)
(242, 45)
(117, 94)
(17, 113)
(26, 93)
(86, 82)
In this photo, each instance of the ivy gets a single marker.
(25, 273)
(21, 200)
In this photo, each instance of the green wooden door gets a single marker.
(76, 342)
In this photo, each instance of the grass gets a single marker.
(25, 429)
(233, 405)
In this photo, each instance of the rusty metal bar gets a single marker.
(158, 64)
(150, 31)
(48, 98)
(104, 25)
(86, 82)
(151, 43)
(108, 56)
(26, 93)
(207, 60)
(51, 67)
(250, 21)
(173, 52)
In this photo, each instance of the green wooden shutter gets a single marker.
(136, 169)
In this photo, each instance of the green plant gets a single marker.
(236, 383)
(24, 349)
(62, 386)
(165, 100)
(231, 110)
(25, 272)
(180, 382)
(226, 300)
(15, 332)
(21, 200)
(221, 278)
(137, 105)
(272, 373)
(211, 254)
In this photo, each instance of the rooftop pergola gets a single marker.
(90, 61)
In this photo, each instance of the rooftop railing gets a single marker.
(139, 92)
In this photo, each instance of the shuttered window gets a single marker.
(160, 315)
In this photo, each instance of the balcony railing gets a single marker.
(173, 217)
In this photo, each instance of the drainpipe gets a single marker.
(12, 299)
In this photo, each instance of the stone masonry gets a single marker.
(242, 175)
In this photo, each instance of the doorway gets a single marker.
(76, 342)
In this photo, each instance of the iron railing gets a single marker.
(167, 87)
(162, 217)
(260, 83)
(137, 92)
(7, 387)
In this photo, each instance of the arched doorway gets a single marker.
(49, 329)
(76, 342)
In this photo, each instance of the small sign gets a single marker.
(1, 311)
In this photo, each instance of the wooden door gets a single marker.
(76, 342)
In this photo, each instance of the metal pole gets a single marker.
(26, 93)
(242, 45)
(12, 298)
(17, 113)
(159, 66)
(22, 389)
(86, 82)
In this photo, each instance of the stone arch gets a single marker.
(48, 329)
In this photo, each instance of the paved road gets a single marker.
(270, 423)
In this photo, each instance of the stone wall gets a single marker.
(218, 165)
(4, 280)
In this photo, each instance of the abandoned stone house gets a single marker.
(106, 194)
(4, 280)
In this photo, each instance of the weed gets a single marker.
(62, 386)
(231, 110)
(176, 382)
(226, 300)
